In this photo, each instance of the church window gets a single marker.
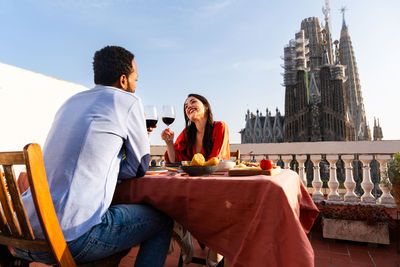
(343, 133)
(341, 128)
(334, 125)
(293, 130)
(302, 122)
(329, 122)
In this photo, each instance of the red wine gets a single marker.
(168, 120)
(151, 123)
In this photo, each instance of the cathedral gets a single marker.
(263, 129)
(323, 99)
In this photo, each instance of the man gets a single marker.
(97, 137)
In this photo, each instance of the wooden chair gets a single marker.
(15, 229)
(236, 154)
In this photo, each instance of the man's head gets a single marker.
(114, 66)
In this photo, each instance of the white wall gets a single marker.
(28, 103)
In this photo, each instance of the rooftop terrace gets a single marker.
(328, 253)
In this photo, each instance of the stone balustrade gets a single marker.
(320, 163)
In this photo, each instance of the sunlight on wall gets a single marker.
(28, 103)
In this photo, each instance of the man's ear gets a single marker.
(123, 82)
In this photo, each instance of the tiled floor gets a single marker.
(327, 254)
(172, 259)
(345, 253)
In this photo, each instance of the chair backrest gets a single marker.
(15, 229)
(236, 154)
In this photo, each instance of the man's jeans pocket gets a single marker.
(93, 250)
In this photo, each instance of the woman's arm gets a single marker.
(175, 152)
(170, 152)
(168, 136)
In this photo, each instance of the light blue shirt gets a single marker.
(83, 156)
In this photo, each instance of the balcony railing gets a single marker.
(320, 163)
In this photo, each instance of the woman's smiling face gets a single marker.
(194, 108)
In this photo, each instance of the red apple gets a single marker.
(266, 164)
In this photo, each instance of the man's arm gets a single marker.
(136, 145)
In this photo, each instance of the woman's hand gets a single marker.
(168, 136)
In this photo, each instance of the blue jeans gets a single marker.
(122, 227)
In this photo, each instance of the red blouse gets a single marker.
(220, 148)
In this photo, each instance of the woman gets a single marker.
(201, 134)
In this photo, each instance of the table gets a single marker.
(251, 220)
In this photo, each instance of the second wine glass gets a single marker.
(168, 114)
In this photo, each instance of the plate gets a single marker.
(156, 169)
(199, 170)
(173, 164)
(249, 171)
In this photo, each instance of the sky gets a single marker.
(227, 50)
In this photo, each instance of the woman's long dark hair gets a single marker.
(191, 130)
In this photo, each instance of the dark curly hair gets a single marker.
(109, 63)
(191, 130)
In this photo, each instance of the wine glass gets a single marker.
(168, 114)
(150, 113)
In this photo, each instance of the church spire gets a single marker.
(352, 85)
(377, 131)
(343, 11)
(326, 11)
(267, 128)
(337, 53)
(325, 57)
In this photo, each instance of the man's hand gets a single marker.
(150, 129)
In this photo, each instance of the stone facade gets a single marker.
(323, 99)
(263, 129)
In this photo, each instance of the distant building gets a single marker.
(263, 129)
(323, 99)
(377, 131)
